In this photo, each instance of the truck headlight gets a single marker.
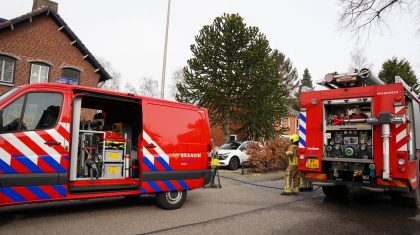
(401, 162)
(302, 156)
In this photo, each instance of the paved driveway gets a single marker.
(237, 208)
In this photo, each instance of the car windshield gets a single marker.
(230, 146)
(9, 93)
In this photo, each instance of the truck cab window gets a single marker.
(12, 114)
(40, 111)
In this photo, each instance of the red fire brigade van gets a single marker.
(361, 133)
(64, 142)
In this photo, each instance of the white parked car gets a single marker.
(233, 154)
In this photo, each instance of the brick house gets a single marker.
(40, 47)
(289, 124)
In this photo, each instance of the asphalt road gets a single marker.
(237, 208)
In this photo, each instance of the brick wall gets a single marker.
(42, 41)
(291, 127)
(290, 123)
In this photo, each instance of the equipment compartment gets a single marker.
(348, 132)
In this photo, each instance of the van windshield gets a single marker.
(9, 93)
(230, 146)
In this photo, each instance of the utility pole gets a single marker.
(162, 88)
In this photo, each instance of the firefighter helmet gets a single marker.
(294, 138)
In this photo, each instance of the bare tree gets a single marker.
(359, 60)
(358, 16)
(112, 84)
(177, 77)
(130, 88)
(148, 87)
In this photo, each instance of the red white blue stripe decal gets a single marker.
(26, 152)
(31, 193)
(155, 159)
(163, 186)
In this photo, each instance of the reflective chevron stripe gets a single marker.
(302, 130)
(26, 152)
(155, 159)
(401, 131)
(32, 193)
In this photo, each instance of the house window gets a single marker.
(233, 137)
(286, 122)
(39, 73)
(7, 67)
(71, 73)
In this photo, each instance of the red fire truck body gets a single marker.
(63, 142)
(361, 136)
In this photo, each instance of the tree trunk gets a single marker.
(226, 127)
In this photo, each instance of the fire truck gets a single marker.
(66, 142)
(361, 133)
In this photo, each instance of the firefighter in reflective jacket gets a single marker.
(292, 174)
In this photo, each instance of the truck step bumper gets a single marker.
(367, 187)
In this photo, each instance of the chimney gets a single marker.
(44, 3)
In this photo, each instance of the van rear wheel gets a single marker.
(171, 200)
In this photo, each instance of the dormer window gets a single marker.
(72, 73)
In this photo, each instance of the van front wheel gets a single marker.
(171, 200)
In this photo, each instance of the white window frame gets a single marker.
(297, 124)
(39, 73)
(2, 64)
(285, 122)
(235, 137)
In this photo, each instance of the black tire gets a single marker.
(396, 198)
(234, 163)
(414, 200)
(171, 200)
(336, 192)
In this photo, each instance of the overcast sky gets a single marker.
(130, 33)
